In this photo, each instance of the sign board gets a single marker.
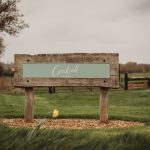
(57, 70)
(75, 69)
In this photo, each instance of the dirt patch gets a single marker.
(70, 123)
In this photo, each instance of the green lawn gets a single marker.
(124, 105)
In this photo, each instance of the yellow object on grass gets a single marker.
(55, 113)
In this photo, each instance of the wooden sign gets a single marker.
(85, 69)
(96, 69)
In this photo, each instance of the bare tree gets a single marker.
(11, 21)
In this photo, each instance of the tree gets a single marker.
(1, 45)
(11, 21)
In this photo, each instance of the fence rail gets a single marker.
(127, 79)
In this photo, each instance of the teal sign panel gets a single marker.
(59, 70)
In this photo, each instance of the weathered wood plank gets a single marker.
(33, 82)
(69, 58)
(103, 105)
(28, 109)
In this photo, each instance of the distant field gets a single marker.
(139, 74)
(136, 75)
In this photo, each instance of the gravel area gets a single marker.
(69, 123)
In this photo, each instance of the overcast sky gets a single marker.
(62, 26)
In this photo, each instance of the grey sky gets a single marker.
(60, 26)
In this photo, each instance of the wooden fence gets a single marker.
(136, 82)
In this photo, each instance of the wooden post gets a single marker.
(28, 110)
(103, 104)
(91, 89)
(126, 81)
(72, 89)
(119, 73)
(149, 83)
(50, 90)
(54, 89)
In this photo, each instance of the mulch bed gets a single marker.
(69, 123)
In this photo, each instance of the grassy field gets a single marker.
(147, 74)
(125, 105)
(139, 74)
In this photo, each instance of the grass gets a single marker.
(147, 74)
(125, 105)
(109, 139)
